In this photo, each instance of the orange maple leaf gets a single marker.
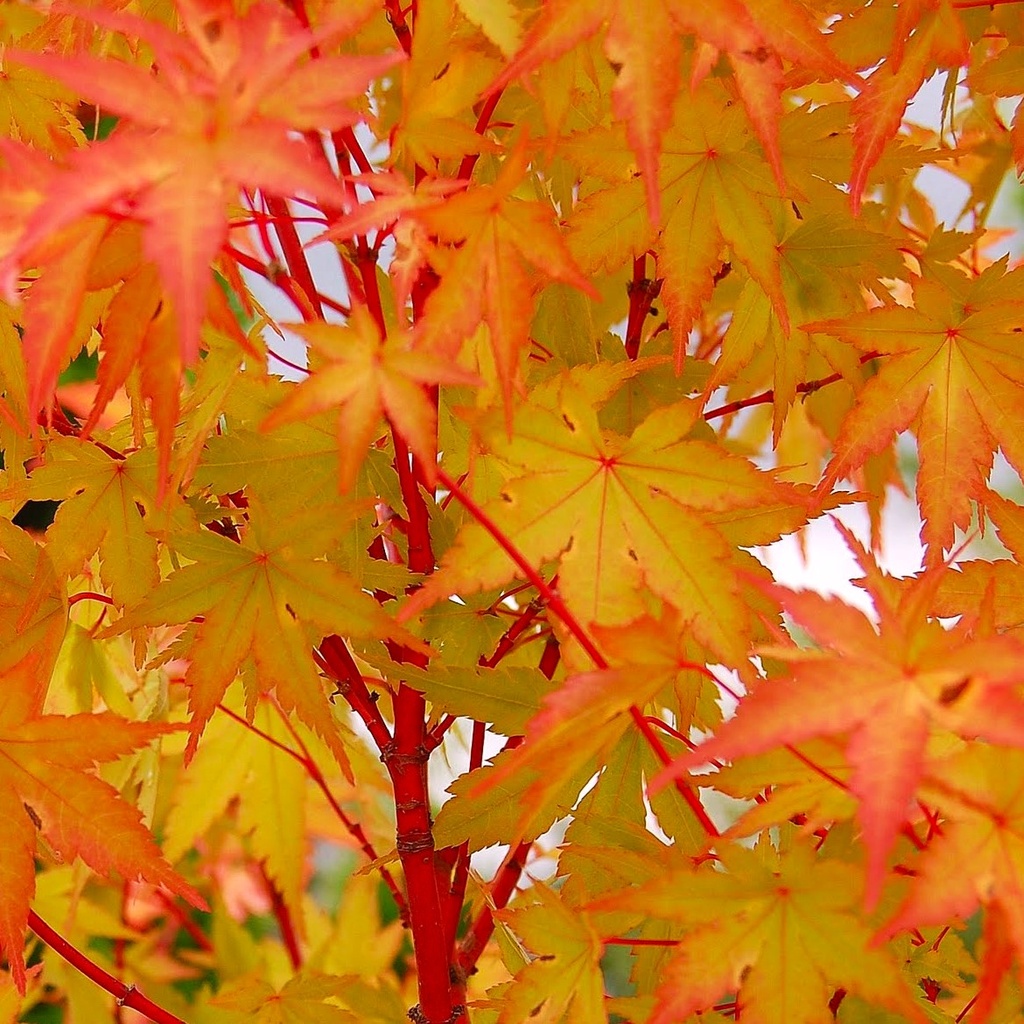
(928, 34)
(494, 249)
(953, 364)
(976, 860)
(890, 688)
(643, 44)
(367, 377)
(46, 788)
(215, 119)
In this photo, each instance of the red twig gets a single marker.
(284, 920)
(470, 159)
(499, 893)
(126, 995)
(962, 5)
(180, 915)
(295, 257)
(88, 595)
(616, 941)
(806, 388)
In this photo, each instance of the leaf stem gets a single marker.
(614, 940)
(126, 995)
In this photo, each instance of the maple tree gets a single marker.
(393, 394)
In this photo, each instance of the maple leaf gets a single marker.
(439, 85)
(809, 784)
(365, 377)
(951, 369)
(643, 46)
(992, 588)
(719, 192)
(825, 263)
(486, 276)
(890, 688)
(235, 763)
(36, 110)
(565, 978)
(938, 38)
(302, 1000)
(263, 599)
(46, 786)
(33, 615)
(758, 927)
(653, 495)
(977, 859)
(103, 503)
(585, 722)
(216, 119)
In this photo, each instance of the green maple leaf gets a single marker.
(644, 44)
(718, 192)
(269, 598)
(234, 763)
(302, 1000)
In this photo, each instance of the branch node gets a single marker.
(415, 841)
(395, 758)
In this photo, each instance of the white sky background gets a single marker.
(828, 566)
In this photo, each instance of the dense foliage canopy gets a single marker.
(390, 391)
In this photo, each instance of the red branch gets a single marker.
(336, 660)
(406, 754)
(126, 995)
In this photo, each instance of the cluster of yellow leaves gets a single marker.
(552, 261)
